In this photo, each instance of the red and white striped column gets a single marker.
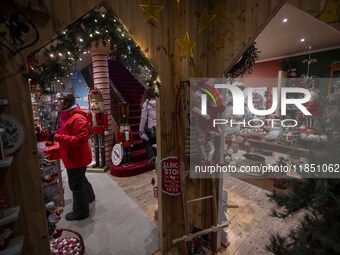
(102, 82)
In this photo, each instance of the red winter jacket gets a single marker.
(72, 136)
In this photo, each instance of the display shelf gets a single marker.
(14, 247)
(279, 148)
(6, 162)
(9, 215)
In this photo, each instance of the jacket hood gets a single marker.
(71, 111)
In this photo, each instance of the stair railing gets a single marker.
(119, 107)
(118, 103)
(132, 68)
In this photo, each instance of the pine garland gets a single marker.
(98, 26)
(245, 65)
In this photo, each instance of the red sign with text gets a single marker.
(171, 182)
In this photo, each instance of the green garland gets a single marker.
(245, 65)
(98, 26)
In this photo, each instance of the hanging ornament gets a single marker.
(186, 46)
(205, 21)
(151, 10)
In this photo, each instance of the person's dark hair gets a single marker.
(69, 100)
(149, 93)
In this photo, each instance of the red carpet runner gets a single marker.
(132, 91)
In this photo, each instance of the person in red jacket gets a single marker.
(72, 136)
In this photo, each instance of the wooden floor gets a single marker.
(250, 223)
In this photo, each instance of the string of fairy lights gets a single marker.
(99, 26)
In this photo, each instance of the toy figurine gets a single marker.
(53, 214)
(126, 140)
(98, 120)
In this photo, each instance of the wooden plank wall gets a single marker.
(235, 23)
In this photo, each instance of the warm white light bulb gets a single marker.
(302, 40)
(51, 55)
(80, 39)
(284, 20)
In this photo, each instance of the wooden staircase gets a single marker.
(132, 91)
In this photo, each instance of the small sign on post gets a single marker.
(171, 181)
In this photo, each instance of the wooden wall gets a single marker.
(235, 23)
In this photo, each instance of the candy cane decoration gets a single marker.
(101, 81)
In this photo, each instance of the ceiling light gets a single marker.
(284, 20)
(302, 40)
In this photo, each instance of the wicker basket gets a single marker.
(68, 244)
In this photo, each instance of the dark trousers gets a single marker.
(82, 190)
(150, 151)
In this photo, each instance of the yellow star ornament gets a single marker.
(151, 10)
(186, 46)
(205, 21)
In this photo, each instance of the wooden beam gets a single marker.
(187, 238)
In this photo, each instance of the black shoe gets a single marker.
(152, 160)
(75, 216)
(92, 199)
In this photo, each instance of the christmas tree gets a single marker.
(316, 200)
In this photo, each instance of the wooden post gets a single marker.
(23, 178)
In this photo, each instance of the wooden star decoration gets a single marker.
(186, 46)
(205, 21)
(151, 10)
